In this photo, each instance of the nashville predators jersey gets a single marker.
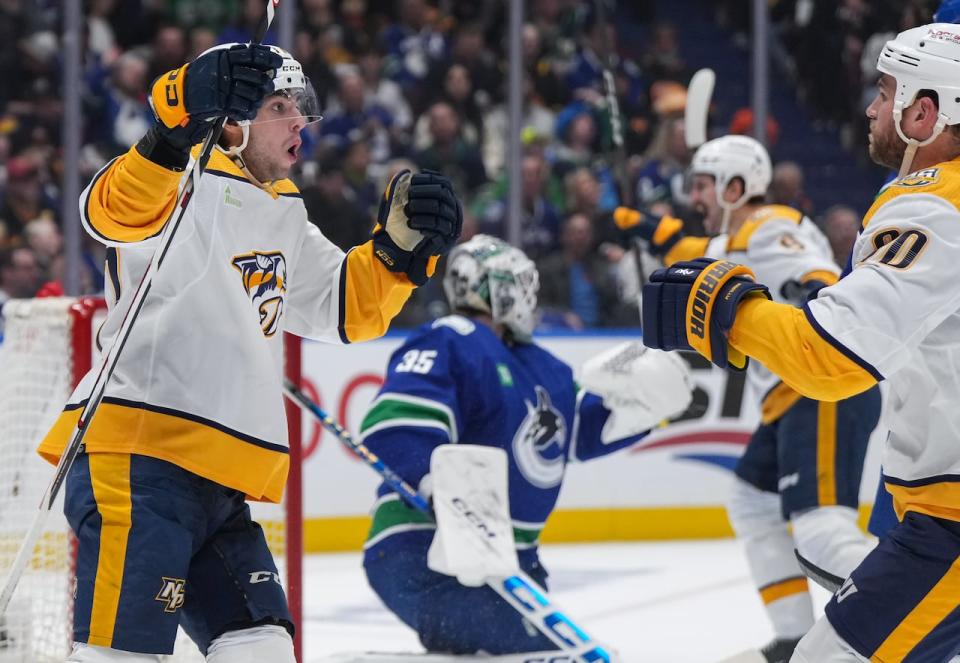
(199, 381)
(895, 316)
(787, 252)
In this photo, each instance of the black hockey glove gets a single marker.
(420, 219)
(660, 232)
(224, 82)
(692, 306)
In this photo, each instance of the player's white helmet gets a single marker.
(487, 275)
(924, 58)
(729, 157)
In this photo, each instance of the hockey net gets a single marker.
(47, 347)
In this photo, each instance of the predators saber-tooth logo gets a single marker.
(538, 444)
(264, 277)
(172, 594)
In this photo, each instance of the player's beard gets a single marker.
(886, 147)
(263, 162)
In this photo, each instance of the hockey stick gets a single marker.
(697, 110)
(519, 590)
(822, 577)
(92, 402)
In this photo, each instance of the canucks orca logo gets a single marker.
(538, 444)
(265, 279)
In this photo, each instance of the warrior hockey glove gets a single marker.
(420, 220)
(692, 306)
(224, 82)
(660, 232)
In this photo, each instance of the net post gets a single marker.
(294, 497)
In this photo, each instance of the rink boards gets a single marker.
(672, 485)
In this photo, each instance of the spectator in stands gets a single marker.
(583, 192)
(201, 39)
(577, 128)
(841, 225)
(412, 46)
(24, 198)
(332, 206)
(456, 89)
(355, 118)
(449, 153)
(542, 67)
(577, 286)
(786, 187)
(357, 176)
(168, 50)
(127, 115)
(598, 45)
(540, 221)
(20, 273)
(663, 61)
(537, 122)
(661, 178)
(383, 91)
(43, 236)
(470, 51)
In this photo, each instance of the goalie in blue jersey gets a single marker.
(477, 377)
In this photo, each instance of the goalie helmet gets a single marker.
(487, 275)
(924, 58)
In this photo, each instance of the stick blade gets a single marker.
(695, 116)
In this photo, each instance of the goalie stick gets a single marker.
(519, 590)
(93, 400)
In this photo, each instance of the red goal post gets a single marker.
(48, 345)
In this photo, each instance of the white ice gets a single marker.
(671, 602)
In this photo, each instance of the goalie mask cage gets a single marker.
(47, 348)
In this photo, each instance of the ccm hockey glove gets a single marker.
(420, 219)
(692, 306)
(660, 232)
(224, 82)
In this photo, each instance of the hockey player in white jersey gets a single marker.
(896, 316)
(798, 480)
(193, 421)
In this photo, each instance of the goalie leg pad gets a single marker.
(253, 645)
(448, 616)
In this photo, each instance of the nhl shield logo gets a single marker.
(538, 444)
(172, 594)
(265, 280)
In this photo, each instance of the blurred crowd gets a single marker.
(407, 83)
(828, 50)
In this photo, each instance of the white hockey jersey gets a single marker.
(199, 381)
(895, 316)
(785, 250)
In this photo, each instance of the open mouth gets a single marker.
(294, 151)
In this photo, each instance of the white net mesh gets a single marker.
(37, 360)
(35, 381)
